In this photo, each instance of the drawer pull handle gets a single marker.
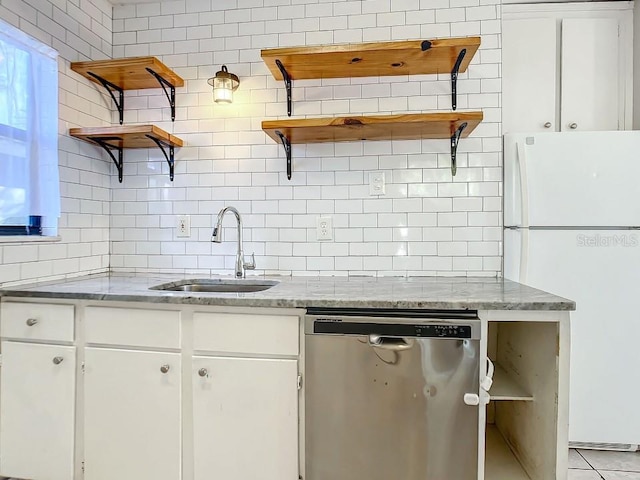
(202, 372)
(31, 322)
(165, 368)
(57, 360)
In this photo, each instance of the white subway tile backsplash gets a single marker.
(423, 248)
(376, 6)
(377, 264)
(427, 222)
(452, 249)
(77, 34)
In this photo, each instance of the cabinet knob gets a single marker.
(202, 372)
(31, 322)
(57, 360)
(164, 368)
(547, 125)
(573, 126)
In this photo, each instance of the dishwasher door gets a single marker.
(384, 397)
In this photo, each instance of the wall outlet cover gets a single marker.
(324, 228)
(376, 183)
(183, 226)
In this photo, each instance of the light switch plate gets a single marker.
(376, 183)
(183, 226)
(324, 230)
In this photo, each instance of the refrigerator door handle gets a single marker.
(524, 212)
(524, 186)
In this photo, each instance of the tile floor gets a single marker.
(599, 465)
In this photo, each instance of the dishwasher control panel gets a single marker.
(342, 326)
(445, 331)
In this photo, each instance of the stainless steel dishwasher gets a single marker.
(384, 394)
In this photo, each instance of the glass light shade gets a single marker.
(224, 84)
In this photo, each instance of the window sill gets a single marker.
(28, 239)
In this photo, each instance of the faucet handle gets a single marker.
(252, 264)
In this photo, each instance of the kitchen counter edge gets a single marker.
(436, 293)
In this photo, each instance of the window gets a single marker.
(29, 181)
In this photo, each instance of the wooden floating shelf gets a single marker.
(128, 73)
(386, 127)
(137, 136)
(506, 388)
(413, 57)
(135, 73)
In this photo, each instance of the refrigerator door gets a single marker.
(578, 179)
(599, 270)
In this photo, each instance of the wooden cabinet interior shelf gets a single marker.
(137, 136)
(135, 73)
(386, 127)
(506, 388)
(414, 57)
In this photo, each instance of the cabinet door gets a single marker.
(132, 424)
(37, 411)
(590, 74)
(529, 75)
(245, 418)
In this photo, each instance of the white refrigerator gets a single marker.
(572, 227)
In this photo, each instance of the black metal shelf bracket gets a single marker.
(170, 158)
(454, 78)
(455, 139)
(171, 94)
(287, 84)
(287, 150)
(111, 87)
(102, 141)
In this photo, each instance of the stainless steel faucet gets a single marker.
(241, 265)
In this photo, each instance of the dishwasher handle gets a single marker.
(390, 343)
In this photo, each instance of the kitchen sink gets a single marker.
(217, 285)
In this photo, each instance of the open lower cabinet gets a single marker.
(527, 416)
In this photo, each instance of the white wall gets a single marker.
(636, 66)
(427, 223)
(78, 30)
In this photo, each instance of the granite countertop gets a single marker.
(471, 293)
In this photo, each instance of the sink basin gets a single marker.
(217, 285)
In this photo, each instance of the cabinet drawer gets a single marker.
(133, 327)
(37, 321)
(245, 333)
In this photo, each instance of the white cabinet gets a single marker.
(529, 75)
(589, 78)
(37, 411)
(245, 418)
(245, 404)
(565, 70)
(208, 393)
(132, 418)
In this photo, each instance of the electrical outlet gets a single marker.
(376, 183)
(324, 230)
(183, 227)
